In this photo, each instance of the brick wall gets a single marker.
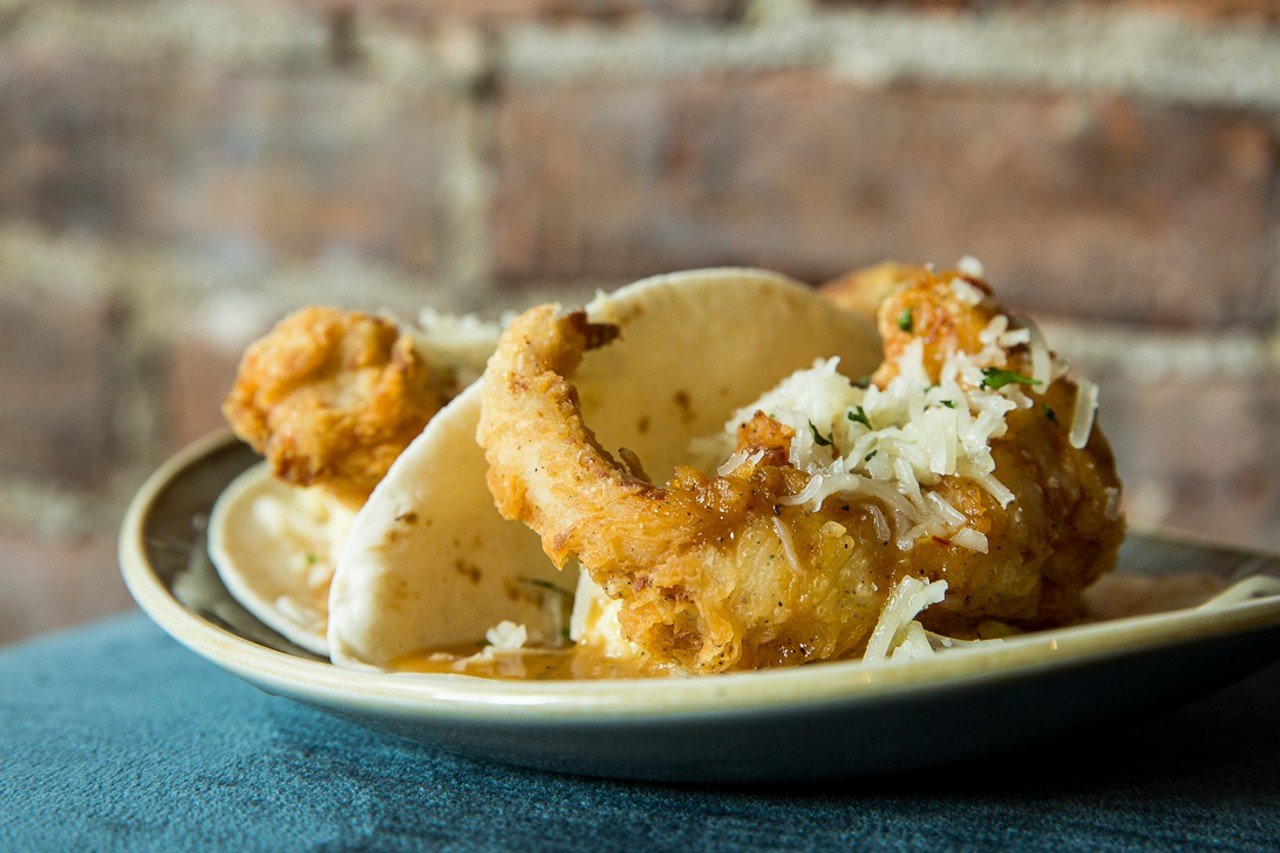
(174, 175)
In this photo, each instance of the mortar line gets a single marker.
(1212, 65)
(1123, 51)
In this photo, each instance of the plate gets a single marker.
(830, 720)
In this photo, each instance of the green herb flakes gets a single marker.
(858, 416)
(995, 378)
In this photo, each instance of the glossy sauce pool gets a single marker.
(1112, 597)
(531, 664)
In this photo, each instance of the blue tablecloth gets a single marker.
(113, 736)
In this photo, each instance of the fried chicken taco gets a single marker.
(330, 398)
(703, 472)
(740, 474)
(961, 479)
(433, 566)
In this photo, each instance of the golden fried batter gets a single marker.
(722, 572)
(331, 398)
(864, 290)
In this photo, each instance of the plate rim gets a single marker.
(447, 697)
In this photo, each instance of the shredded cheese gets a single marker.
(894, 627)
(1085, 411)
(788, 547)
(965, 292)
(737, 460)
(896, 444)
(971, 266)
(967, 537)
(507, 636)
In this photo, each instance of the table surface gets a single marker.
(115, 736)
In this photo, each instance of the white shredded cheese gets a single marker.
(507, 636)
(945, 509)
(788, 547)
(881, 524)
(894, 445)
(965, 292)
(967, 537)
(737, 460)
(906, 601)
(1085, 410)
(995, 329)
(997, 489)
(914, 644)
(971, 266)
(1041, 357)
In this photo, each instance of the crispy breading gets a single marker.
(864, 290)
(331, 398)
(719, 572)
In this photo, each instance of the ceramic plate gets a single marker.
(821, 721)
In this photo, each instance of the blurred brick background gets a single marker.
(174, 175)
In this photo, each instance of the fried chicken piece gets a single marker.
(729, 572)
(863, 291)
(1063, 524)
(331, 398)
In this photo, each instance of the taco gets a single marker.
(748, 473)
(330, 398)
(432, 566)
(748, 477)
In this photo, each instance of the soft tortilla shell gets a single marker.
(254, 562)
(430, 562)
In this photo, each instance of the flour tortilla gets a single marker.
(429, 561)
(267, 539)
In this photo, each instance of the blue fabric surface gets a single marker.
(113, 736)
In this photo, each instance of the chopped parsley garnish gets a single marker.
(858, 416)
(950, 404)
(904, 319)
(863, 381)
(870, 456)
(995, 378)
(819, 438)
(548, 586)
(1050, 413)
(311, 559)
